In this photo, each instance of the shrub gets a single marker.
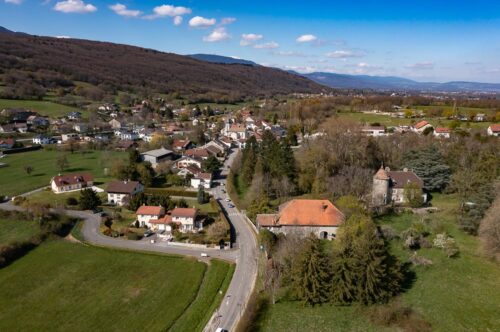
(447, 243)
(18, 200)
(71, 201)
(417, 260)
(399, 315)
(388, 232)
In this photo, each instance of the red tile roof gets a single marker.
(495, 127)
(73, 178)
(203, 153)
(184, 212)
(421, 124)
(442, 130)
(150, 210)
(381, 174)
(167, 219)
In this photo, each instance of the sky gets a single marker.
(424, 40)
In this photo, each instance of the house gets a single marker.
(187, 219)
(157, 156)
(37, 121)
(216, 147)
(421, 126)
(202, 179)
(71, 182)
(128, 135)
(7, 128)
(181, 145)
(7, 143)
(442, 132)
(21, 127)
(188, 161)
(494, 130)
(145, 213)
(198, 152)
(120, 192)
(234, 131)
(162, 224)
(373, 131)
(303, 217)
(42, 139)
(80, 127)
(115, 124)
(74, 116)
(389, 186)
(69, 137)
(480, 117)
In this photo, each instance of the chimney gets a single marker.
(405, 169)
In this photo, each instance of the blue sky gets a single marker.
(423, 40)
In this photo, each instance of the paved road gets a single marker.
(245, 274)
(245, 256)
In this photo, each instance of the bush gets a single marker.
(18, 200)
(447, 243)
(397, 314)
(417, 260)
(71, 201)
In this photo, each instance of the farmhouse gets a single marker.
(157, 156)
(442, 132)
(145, 214)
(303, 217)
(120, 192)
(421, 126)
(71, 182)
(389, 186)
(373, 131)
(494, 130)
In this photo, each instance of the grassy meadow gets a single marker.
(452, 294)
(62, 286)
(15, 181)
(43, 107)
(16, 230)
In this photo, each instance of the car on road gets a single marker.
(220, 329)
(223, 191)
(148, 233)
(231, 205)
(228, 200)
(204, 254)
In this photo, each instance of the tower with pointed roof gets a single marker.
(381, 182)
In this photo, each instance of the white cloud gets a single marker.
(289, 53)
(249, 38)
(178, 20)
(421, 66)
(270, 45)
(343, 54)
(306, 38)
(201, 22)
(122, 10)
(168, 11)
(227, 20)
(63, 37)
(363, 68)
(74, 6)
(14, 2)
(219, 34)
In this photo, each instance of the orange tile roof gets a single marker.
(442, 130)
(164, 220)
(381, 174)
(495, 127)
(268, 220)
(309, 212)
(421, 124)
(149, 210)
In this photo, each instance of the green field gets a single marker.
(15, 181)
(16, 230)
(61, 286)
(458, 294)
(43, 107)
(389, 121)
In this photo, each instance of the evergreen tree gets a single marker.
(363, 270)
(428, 164)
(200, 197)
(89, 200)
(313, 274)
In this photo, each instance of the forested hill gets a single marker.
(130, 68)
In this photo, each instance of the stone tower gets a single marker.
(380, 190)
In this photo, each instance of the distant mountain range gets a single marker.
(130, 68)
(392, 83)
(221, 59)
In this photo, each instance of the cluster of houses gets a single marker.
(156, 219)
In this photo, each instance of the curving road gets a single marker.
(245, 256)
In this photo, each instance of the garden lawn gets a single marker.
(457, 294)
(62, 286)
(15, 181)
(43, 107)
(16, 230)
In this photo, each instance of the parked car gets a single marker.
(231, 205)
(228, 200)
(148, 233)
(203, 254)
